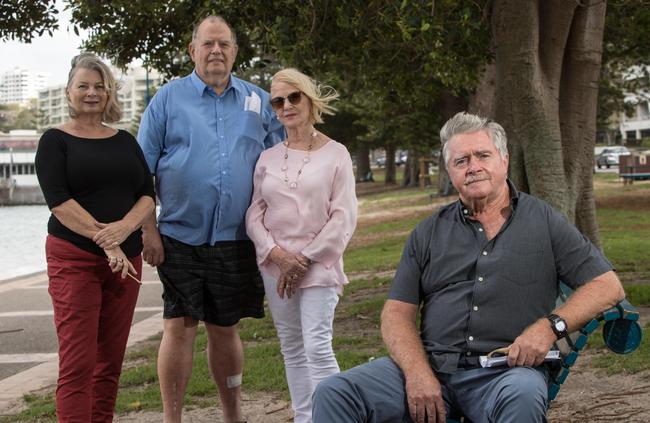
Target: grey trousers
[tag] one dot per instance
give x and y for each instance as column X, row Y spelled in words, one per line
column 374, row 393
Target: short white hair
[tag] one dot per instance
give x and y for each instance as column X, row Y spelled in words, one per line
column 463, row 123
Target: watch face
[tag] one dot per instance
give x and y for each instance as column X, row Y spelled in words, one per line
column 560, row 326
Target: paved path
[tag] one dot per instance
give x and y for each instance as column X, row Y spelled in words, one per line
column 28, row 344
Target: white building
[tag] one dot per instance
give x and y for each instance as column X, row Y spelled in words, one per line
column 53, row 106
column 21, row 85
column 637, row 126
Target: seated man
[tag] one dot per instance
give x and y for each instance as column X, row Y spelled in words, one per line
column 485, row 272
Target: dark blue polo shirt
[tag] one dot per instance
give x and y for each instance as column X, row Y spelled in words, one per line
column 478, row 294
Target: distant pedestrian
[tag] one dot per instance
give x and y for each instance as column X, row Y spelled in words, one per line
column 302, row 217
column 201, row 136
column 97, row 185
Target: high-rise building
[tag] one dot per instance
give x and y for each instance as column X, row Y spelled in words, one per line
column 21, row 85
column 53, row 106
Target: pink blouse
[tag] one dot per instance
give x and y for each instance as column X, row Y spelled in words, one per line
column 316, row 218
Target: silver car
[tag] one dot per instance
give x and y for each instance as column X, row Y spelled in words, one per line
column 609, row 156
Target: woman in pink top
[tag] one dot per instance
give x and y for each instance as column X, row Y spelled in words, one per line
column 301, row 218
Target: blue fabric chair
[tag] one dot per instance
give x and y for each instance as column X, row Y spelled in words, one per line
column 622, row 334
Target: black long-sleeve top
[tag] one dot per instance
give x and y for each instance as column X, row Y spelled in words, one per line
column 106, row 176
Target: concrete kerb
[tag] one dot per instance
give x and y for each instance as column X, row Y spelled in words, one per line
column 13, row 388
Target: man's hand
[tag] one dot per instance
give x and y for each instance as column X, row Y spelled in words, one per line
column 110, row 235
column 424, row 397
column 530, row 348
column 153, row 252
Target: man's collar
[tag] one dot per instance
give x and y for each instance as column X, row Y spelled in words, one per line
column 466, row 212
column 201, row 86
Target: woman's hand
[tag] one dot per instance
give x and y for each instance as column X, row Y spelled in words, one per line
column 118, row 262
column 288, row 284
column 112, row 234
column 288, row 263
column 293, row 268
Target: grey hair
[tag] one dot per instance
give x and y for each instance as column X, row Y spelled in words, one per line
column 464, row 122
column 213, row 18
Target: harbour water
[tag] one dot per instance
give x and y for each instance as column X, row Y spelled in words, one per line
column 22, row 240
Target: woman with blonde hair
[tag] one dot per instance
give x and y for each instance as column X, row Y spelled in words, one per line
column 301, row 218
column 98, row 187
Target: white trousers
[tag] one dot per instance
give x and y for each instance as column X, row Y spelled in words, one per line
column 304, row 325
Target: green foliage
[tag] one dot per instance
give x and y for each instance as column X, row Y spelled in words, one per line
column 625, row 49
column 386, row 59
column 15, row 116
column 22, row 20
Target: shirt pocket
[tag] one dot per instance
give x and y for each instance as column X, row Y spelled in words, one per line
column 524, row 263
column 253, row 128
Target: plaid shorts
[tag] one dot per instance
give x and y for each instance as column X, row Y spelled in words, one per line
column 217, row 284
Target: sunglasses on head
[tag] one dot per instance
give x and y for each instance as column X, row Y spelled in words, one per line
column 278, row 102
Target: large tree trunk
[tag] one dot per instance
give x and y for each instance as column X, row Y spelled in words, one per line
column 389, row 166
column 578, row 109
column 547, row 64
column 363, row 162
column 411, row 171
column 450, row 104
column 481, row 101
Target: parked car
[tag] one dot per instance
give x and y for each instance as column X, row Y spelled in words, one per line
column 609, row 156
column 400, row 158
column 381, row 161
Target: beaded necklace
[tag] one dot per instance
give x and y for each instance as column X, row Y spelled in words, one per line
column 285, row 167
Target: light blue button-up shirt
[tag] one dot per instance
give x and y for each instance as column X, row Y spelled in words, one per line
column 202, row 149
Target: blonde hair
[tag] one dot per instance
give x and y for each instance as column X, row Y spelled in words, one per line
column 112, row 111
column 319, row 94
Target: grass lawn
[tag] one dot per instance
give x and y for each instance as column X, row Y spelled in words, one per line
column 386, row 219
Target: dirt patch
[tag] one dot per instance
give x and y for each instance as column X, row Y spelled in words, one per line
column 634, row 200
column 257, row 408
column 591, row 396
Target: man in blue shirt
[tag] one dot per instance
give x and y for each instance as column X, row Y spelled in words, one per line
column 201, row 136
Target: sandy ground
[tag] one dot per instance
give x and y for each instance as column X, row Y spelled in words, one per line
column 263, row 408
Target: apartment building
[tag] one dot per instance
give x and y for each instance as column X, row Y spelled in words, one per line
column 20, row 85
column 637, row 126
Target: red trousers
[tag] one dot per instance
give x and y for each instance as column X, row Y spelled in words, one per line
column 93, row 310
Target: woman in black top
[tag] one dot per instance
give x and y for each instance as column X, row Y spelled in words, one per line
column 97, row 184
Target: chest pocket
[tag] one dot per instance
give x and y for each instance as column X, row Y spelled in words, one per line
column 524, row 262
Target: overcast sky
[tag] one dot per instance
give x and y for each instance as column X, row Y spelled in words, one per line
column 51, row 54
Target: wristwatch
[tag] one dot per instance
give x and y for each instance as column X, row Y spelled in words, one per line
column 558, row 325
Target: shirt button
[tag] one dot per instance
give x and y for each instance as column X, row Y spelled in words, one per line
column 480, row 278
column 485, row 253
column 220, row 136
column 475, row 308
column 480, row 229
column 471, row 338
column 223, row 154
column 223, row 172
column 465, row 211
column 468, row 353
